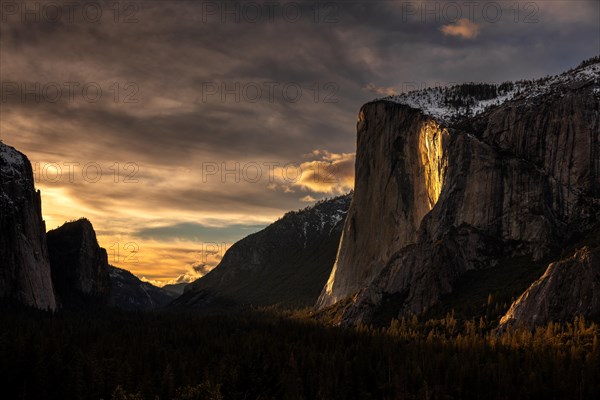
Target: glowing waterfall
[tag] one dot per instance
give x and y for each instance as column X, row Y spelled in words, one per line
column 432, row 159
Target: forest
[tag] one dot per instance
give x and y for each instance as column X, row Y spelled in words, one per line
column 265, row 354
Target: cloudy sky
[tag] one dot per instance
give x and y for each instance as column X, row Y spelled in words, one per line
column 179, row 127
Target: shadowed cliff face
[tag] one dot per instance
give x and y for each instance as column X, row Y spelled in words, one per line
column 80, row 269
column 520, row 179
column 285, row 264
column 24, row 267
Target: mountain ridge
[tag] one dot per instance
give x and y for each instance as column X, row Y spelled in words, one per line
column 128, row 292
column 284, row 264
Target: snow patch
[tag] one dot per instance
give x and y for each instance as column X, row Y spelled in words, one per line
column 11, row 162
column 12, row 170
column 11, row 156
column 448, row 104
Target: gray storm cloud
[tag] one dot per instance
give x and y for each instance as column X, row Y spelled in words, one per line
column 182, row 88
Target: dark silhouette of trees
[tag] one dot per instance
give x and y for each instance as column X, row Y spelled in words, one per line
column 269, row 355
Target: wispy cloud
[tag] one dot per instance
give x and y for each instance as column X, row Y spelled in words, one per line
column 463, row 28
column 327, row 173
column 383, row 91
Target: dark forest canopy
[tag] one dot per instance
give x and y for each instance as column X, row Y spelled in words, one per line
column 115, row 355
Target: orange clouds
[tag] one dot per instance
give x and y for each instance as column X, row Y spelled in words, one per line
column 162, row 262
column 147, row 230
column 384, row 91
column 329, row 173
column 463, row 28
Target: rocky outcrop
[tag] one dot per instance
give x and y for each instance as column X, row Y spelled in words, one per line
column 569, row 288
column 65, row 268
column 129, row 293
column 285, row 264
column 438, row 196
column 25, row 274
column 80, row 269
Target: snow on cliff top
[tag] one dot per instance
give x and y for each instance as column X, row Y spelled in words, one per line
column 10, row 156
column 12, row 165
column 449, row 103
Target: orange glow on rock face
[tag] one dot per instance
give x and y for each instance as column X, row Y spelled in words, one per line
column 432, row 159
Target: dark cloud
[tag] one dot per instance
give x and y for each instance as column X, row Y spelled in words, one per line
column 354, row 51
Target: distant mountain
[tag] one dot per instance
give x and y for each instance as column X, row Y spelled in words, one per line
column 472, row 180
column 285, row 264
column 80, row 269
column 128, row 292
column 25, row 274
column 176, row 288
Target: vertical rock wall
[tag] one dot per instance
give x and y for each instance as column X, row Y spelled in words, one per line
column 24, row 267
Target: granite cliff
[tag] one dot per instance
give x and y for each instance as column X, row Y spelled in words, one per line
column 25, row 274
column 80, row 269
column 464, row 178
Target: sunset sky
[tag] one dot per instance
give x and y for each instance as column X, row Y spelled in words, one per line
column 179, row 127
